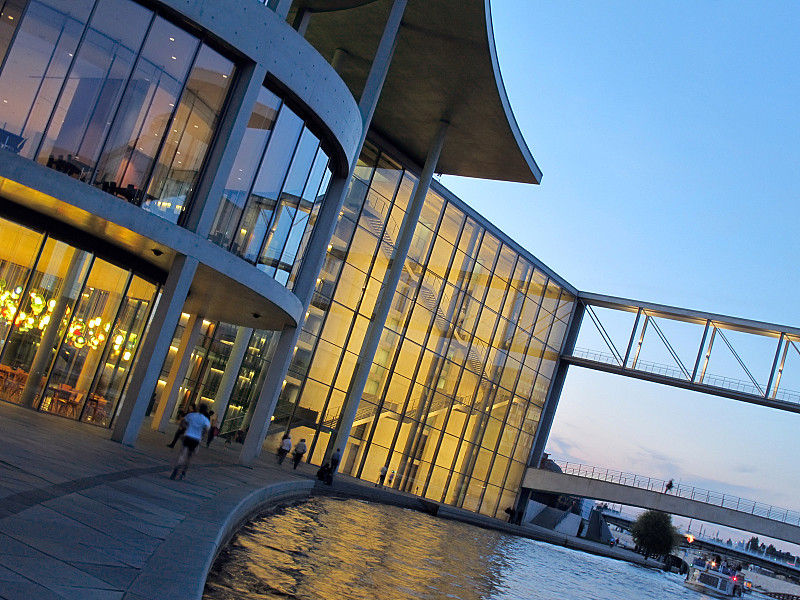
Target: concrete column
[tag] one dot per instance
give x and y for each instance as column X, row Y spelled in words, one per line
column 177, row 373
column 318, row 245
column 232, row 127
column 384, row 303
column 154, row 350
column 302, row 20
column 268, row 397
column 232, row 367
column 380, row 65
column 339, row 58
column 554, row 395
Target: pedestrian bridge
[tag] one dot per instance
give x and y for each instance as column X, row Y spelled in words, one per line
column 645, row 492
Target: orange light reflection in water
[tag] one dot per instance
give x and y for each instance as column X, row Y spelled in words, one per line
column 328, row 548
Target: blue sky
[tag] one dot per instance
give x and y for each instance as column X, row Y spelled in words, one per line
column 668, row 137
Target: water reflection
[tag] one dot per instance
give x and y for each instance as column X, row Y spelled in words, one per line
column 328, row 548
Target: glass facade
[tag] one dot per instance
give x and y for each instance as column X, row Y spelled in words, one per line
column 116, row 94
column 466, row 356
column 209, row 362
column 112, row 93
column 274, row 190
column 70, row 325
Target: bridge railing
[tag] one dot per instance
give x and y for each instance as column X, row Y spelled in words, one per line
column 751, row 507
column 707, row 379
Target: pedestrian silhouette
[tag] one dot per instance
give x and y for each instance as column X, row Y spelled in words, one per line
column 196, row 426
column 299, row 452
column 381, row 476
column 284, row 448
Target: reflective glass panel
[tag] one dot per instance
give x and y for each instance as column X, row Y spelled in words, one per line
column 35, row 69
column 288, row 202
column 305, row 217
column 147, row 108
column 189, row 135
column 248, row 158
column 262, row 201
column 10, row 16
column 41, row 321
column 94, row 87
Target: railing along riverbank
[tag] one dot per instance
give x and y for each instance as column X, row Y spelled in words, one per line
column 652, row 484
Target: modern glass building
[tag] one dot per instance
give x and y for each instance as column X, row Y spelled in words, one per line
column 234, row 203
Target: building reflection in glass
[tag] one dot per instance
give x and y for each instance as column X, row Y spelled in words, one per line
column 274, row 191
column 112, row 94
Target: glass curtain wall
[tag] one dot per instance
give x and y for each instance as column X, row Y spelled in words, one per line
column 110, row 92
column 70, row 325
column 274, row 191
column 207, row 365
column 465, row 361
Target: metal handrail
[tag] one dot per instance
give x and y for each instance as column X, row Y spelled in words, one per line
column 718, row 381
column 759, row 509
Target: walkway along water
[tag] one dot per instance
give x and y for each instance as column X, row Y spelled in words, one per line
column 84, row 517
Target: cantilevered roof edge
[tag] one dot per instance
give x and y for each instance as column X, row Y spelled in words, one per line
column 504, row 101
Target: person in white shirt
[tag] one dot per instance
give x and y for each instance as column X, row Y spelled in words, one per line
column 284, row 448
column 197, row 426
column 299, row 451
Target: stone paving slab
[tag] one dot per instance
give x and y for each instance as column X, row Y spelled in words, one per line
column 83, row 517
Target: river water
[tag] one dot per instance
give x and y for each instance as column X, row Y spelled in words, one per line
column 338, row 549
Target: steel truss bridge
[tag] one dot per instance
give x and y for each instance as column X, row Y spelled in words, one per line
column 713, row 337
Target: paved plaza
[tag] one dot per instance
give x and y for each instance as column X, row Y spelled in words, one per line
column 82, row 517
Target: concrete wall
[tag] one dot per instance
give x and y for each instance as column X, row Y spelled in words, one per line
column 569, row 525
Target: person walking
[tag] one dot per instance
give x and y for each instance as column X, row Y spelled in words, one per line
column 284, row 448
column 335, row 460
column 196, row 426
column 391, row 478
column 299, row 452
column 381, row 476
column 669, row 486
column 181, row 428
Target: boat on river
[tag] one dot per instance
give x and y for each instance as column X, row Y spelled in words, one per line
column 717, row 583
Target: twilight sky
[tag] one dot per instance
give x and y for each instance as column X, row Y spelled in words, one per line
column 668, row 136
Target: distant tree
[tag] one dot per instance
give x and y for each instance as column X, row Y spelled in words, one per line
column 729, row 542
column 655, row 533
column 752, row 544
column 771, row 550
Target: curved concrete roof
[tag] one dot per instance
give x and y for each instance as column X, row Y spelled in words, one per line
column 444, row 67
